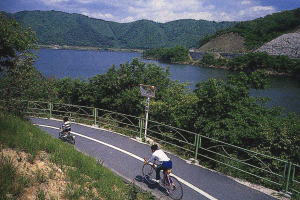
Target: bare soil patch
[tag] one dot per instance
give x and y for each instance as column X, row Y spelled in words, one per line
column 227, row 43
column 46, row 178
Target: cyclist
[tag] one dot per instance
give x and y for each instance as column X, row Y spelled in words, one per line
column 66, row 127
column 159, row 158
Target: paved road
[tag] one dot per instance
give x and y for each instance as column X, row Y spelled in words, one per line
column 124, row 156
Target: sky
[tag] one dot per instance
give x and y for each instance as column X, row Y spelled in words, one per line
column 157, row 10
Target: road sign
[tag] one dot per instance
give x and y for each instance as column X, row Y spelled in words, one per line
column 147, row 90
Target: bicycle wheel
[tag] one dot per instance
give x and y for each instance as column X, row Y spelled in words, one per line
column 174, row 188
column 149, row 173
column 72, row 140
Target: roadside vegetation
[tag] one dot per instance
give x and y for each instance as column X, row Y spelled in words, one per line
column 259, row 31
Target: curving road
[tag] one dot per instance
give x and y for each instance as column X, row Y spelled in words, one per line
column 125, row 156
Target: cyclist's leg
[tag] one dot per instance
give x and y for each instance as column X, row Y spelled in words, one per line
column 158, row 168
column 64, row 134
column 166, row 167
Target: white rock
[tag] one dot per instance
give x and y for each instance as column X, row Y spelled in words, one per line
column 287, row 44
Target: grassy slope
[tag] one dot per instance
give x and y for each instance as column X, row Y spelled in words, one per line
column 18, row 134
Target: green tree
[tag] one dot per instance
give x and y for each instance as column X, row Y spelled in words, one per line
column 18, row 77
column 15, row 42
column 118, row 89
column 227, row 112
column 176, row 106
column 73, row 91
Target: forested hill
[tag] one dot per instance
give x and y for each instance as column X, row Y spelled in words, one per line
column 256, row 32
column 55, row 27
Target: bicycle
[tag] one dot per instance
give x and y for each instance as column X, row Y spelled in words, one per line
column 66, row 137
column 168, row 182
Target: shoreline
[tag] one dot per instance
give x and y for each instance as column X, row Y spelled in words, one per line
column 197, row 64
column 86, row 48
column 191, row 62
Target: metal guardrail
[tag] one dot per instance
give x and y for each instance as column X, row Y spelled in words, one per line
column 271, row 171
column 295, row 180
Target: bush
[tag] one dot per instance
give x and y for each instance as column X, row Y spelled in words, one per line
column 261, row 61
column 171, row 55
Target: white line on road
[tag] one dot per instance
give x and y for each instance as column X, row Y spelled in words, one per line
column 138, row 158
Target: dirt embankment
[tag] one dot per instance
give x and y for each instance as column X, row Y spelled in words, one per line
column 227, row 43
column 46, row 180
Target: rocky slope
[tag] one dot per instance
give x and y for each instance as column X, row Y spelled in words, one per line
column 287, row 44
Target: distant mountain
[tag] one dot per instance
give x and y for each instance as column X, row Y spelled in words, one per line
column 252, row 34
column 54, row 27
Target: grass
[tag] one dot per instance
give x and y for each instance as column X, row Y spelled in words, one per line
column 40, row 177
column 41, row 195
column 82, row 170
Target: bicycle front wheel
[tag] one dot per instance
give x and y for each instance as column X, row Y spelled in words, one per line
column 174, row 188
column 149, row 173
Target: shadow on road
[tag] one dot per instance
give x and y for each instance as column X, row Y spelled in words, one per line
column 155, row 186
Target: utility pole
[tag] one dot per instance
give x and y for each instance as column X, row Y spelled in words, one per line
column 147, row 113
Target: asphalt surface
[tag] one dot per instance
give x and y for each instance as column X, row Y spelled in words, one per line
column 106, row 146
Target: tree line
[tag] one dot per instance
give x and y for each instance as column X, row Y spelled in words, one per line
column 59, row 28
column 254, row 61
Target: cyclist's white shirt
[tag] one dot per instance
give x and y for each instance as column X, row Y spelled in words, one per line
column 66, row 126
column 158, row 157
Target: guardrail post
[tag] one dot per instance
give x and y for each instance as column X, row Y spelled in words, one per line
column 293, row 175
column 50, row 109
column 287, row 180
column 141, row 125
column 95, row 113
column 198, row 144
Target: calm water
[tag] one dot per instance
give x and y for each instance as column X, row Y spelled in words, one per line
column 284, row 92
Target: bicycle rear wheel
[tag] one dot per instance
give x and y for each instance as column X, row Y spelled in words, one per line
column 149, row 173
column 174, row 188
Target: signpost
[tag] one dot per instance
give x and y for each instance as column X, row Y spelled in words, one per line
column 149, row 92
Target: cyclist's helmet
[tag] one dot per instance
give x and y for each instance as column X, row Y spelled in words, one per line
column 66, row 119
column 154, row 147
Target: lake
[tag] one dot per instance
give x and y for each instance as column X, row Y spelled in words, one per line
column 84, row 64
